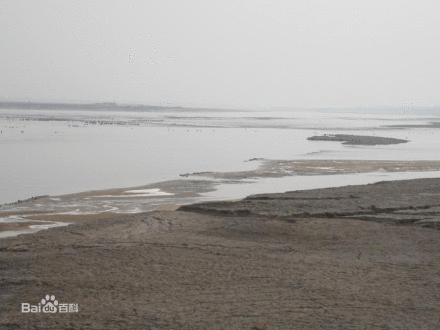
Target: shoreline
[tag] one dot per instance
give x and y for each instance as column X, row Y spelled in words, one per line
column 268, row 168
column 169, row 195
column 354, row 256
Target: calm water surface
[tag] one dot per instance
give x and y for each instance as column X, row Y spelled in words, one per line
column 49, row 152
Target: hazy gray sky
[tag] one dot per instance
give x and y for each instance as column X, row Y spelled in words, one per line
column 222, row 53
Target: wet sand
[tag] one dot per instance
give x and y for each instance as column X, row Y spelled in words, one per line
column 356, row 257
column 281, row 168
column 99, row 204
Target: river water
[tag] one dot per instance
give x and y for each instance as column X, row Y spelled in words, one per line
column 57, row 152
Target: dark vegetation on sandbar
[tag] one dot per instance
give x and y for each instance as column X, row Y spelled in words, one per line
column 357, row 139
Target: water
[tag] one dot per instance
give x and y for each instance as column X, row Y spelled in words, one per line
column 56, row 152
column 31, row 229
column 306, row 182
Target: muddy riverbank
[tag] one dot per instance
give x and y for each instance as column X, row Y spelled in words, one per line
column 340, row 258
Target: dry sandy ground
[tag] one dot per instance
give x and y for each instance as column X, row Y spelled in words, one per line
column 358, row 257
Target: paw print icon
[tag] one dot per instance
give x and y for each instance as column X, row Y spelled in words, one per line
column 49, row 304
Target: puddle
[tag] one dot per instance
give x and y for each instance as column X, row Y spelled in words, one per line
column 30, row 229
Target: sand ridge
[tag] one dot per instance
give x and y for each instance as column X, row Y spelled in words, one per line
column 281, row 168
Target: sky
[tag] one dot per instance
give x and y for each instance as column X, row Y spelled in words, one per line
column 230, row 53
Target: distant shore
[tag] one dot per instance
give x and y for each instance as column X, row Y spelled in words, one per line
column 99, row 106
column 115, row 105
column 78, row 106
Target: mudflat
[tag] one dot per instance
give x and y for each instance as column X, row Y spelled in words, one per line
column 355, row 257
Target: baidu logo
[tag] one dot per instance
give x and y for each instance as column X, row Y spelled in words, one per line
column 49, row 305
